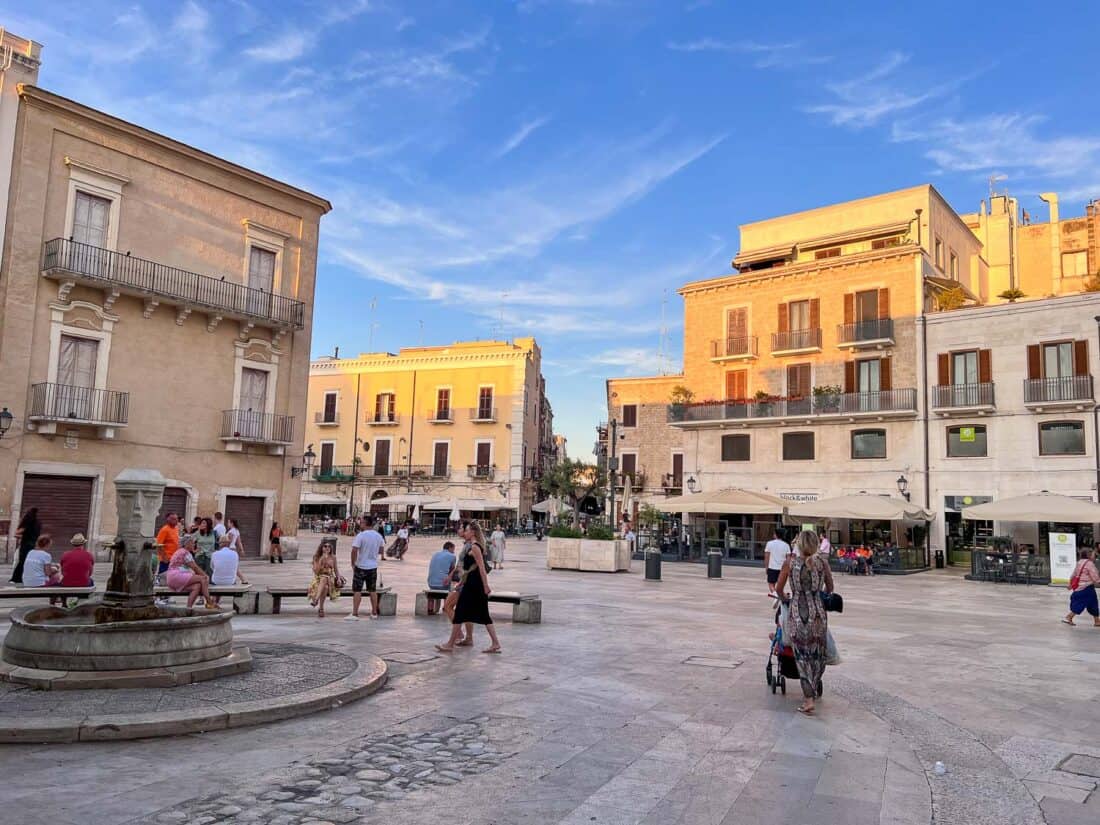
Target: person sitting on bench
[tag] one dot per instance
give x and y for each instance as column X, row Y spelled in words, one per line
column 39, row 569
column 440, row 569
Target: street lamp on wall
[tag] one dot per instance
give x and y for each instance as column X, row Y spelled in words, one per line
column 692, row 484
column 308, row 457
column 903, row 486
column 5, row 421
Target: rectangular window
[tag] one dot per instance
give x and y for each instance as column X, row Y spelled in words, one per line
column 329, row 413
column 869, row 444
column 443, row 405
column 441, row 459
column 798, row 381
column 831, row 252
column 966, row 442
column 327, row 450
column 90, row 219
column 385, row 407
column 630, row 415
column 628, row 465
column 737, row 385
column 1075, row 264
column 964, row 368
column 939, row 254
column 869, row 375
column 677, row 469
column 886, row 243
column 798, row 446
column 798, row 316
column 1058, row 360
column 484, row 453
column 1062, row 438
column 954, row 266
column 485, row 403
column 261, row 269
column 735, row 448
column 382, row 457
column 867, row 305
column 76, row 370
column 253, row 390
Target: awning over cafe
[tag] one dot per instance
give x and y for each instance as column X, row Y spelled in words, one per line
column 861, row 506
column 731, row 501
column 1036, row 507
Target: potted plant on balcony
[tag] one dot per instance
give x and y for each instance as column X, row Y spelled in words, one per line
column 765, row 403
column 679, row 399
column 827, row 398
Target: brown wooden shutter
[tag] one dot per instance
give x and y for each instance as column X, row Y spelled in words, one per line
column 884, row 376
column 849, row 308
column 1080, row 357
column 815, row 313
column 737, row 323
column 943, row 369
column 884, row 303
column 736, row 385
column 1034, row 361
column 850, row 376
column 784, row 318
column 985, row 366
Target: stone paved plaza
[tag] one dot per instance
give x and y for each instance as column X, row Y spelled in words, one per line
column 633, row 702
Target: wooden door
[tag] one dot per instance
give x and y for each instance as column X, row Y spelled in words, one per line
column 249, row 513
column 327, row 451
column 677, row 469
column 382, row 457
column 441, row 459
column 484, row 457
column 64, row 506
column 174, row 501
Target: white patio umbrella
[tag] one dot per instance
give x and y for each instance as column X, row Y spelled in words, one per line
column 552, row 505
column 1036, row 507
column 733, row 500
column 416, row 513
column 628, row 496
column 861, row 506
column 455, row 514
column 407, row 499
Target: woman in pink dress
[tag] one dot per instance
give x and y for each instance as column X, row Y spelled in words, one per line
column 185, row 575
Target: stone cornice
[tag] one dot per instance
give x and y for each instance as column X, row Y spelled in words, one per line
column 399, row 363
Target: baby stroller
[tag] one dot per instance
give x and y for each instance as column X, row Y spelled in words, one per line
column 783, row 655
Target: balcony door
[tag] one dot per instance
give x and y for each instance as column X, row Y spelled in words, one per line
column 485, row 403
column 382, row 457
column 329, row 414
column 253, row 405
column 76, row 370
column 261, row 280
column 441, row 459
column 964, row 378
column 91, row 219
column 385, row 407
column 484, row 455
column 442, row 405
column 737, row 331
column 327, row 450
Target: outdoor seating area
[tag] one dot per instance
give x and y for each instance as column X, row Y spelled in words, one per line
column 1009, row 567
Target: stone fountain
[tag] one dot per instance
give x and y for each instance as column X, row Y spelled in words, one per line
column 125, row 639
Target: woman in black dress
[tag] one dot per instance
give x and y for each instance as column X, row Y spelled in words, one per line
column 30, row 528
column 473, row 594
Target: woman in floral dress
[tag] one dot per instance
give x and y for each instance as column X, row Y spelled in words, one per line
column 327, row 580
column 806, row 627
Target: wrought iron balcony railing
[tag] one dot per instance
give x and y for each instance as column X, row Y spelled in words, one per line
column 734, row 347
column 85, row 405
column 257, row 427
column 484, row 415
column 442, row 416
column 877, row 329
column 948, row 396
column 103, row 268
column 383, row 420
column 796, row 339
column 482, row 472
column 849, row 403
column 323, row 418
column 1065, row 388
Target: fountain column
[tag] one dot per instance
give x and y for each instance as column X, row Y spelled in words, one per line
column 129, row 594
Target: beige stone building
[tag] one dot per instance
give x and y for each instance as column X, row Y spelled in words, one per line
column 465, row 421
column 156, row 312
column 649, row 451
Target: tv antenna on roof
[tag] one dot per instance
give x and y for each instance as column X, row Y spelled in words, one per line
column 371, row 327
column 993, row 179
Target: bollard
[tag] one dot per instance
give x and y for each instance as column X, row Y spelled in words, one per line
column 653, row 565
column 714, row 565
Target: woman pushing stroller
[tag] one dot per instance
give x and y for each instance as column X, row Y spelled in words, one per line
column 805, row 627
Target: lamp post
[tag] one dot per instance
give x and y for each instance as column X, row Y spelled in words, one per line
column 612, row 467
column 903, row 486
column 5, row 421
column 308, row 457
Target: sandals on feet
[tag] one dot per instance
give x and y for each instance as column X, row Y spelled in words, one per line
column 443, row 649
column 805, row 710
column 1067, row 621
column 491, row 650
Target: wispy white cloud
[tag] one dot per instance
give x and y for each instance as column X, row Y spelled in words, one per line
column 521, row 134
column 404, row 23
column 786, row 55
column 1012, row 143
column 415, row 68
column 282, row 48
column 867, row 99
column 632, row 360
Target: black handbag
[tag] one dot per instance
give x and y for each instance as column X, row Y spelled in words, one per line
column 832, row 602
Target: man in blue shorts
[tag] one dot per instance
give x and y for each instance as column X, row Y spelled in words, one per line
column 366, row 552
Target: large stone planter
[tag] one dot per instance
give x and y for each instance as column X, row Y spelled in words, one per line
column 588, row 554
column 563, row 554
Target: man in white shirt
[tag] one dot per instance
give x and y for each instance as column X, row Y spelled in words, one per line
column 825, row 547
column 225, row 565
column 401, row 546
column 775, row 553
column 219, row 527
column 366, row 552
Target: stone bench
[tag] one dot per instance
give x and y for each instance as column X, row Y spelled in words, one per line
column 271, row 600
column 526, row 608
column 244, row 598
column 46, row 592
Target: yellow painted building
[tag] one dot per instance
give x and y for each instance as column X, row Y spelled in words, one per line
column 465, row 421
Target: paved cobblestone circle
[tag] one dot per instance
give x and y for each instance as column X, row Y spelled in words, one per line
column 374, row 771
column 277, row 670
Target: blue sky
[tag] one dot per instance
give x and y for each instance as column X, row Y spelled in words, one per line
column 559, row 167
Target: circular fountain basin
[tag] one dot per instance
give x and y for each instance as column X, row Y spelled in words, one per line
column 56, row 638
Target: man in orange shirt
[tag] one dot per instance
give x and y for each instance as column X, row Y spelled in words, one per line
column 168, row 537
